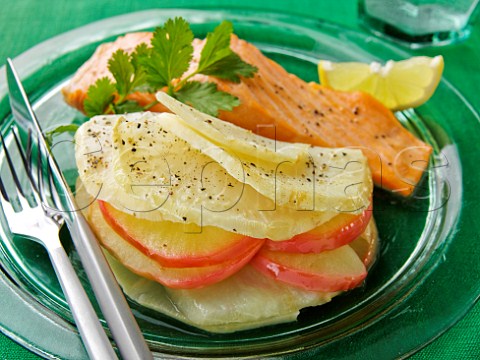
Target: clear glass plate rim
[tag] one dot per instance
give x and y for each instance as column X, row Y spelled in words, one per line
column 24, row 63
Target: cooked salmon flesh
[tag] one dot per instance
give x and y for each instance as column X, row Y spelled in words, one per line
column 280, row 105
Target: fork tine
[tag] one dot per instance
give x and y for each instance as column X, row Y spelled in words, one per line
column 3, row 191
column 28, row 151
column 54, row 193
column 41, row 174
column 24, row 156
column 11, row 166
column 37, row 184
column 51, row 184
column 46, row 181
column 25, row 162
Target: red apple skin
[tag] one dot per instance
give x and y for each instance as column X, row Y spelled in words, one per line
column 307, row 278
column 183, row 278
column 236, row 247
column 139, row 263
column 196, row 277
column 337, row 232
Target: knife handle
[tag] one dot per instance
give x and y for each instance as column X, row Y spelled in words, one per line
column 117, row 313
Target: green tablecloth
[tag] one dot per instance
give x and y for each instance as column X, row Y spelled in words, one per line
column 25, row 23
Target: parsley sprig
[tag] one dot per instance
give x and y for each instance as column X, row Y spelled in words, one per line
column 163, row 65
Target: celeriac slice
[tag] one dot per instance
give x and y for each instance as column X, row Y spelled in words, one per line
column 171, row 180
column 229, row 136
column 246, row 300
column 320, row 179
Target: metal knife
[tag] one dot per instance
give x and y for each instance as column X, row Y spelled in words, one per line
column 120, row 320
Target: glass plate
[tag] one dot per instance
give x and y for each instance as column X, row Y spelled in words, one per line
column 425, row 279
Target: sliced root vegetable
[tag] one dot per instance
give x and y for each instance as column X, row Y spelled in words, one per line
column 334, row 270
column 173, row 245
column 162, row 177
column 366, row 245
column 229, row 136
column 339, row 231
column 316, row 179
column 141, row 264
column 246, row 300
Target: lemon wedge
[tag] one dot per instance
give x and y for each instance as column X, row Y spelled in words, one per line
column 397, row 84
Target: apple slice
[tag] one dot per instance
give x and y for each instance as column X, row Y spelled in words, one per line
column 366, row 245
column 139, row 263
column 170, row 245
column 339, row 231
column 333, row 270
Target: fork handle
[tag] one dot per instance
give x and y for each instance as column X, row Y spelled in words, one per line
column 122, row 324
column 94, row 338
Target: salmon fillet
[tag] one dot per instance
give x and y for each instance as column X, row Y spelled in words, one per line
column 280, row 105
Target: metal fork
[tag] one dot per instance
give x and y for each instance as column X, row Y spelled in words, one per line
column 42, row 223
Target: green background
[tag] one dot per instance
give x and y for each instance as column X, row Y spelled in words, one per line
column 25, row 23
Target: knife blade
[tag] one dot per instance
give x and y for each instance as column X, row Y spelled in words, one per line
column 112, row 302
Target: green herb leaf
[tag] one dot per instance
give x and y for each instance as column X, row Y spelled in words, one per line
column 122, row 70
column 171, row 53
column 148, row 69
column 230, row 68
column 60, row 130
column 217, row 45
column 140, row 83
column 99, row 97
column 206, row 97
column 217, row 59
column 128, row 106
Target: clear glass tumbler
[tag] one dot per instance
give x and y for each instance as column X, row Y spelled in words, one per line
column 419, row 23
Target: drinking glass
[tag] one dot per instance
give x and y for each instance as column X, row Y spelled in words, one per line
column 419, row 23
